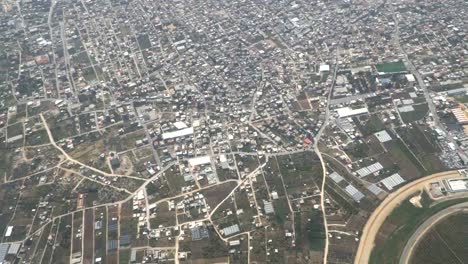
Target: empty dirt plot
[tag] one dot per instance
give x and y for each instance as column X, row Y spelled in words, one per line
column 164, row 217
column 214, row 195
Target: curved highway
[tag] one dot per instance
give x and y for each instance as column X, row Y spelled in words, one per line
column 379, row 215
column 426, row 226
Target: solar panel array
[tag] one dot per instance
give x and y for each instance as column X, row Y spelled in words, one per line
column 113, row 226
column 375, row 189
column 383, row 136
column 363, row 172
column 125, row 240
column 268, row 207
column 112, row 245
column 392, row 181
column 354, row 193
column 231, row 230
column 336, row 177
column 3, row 251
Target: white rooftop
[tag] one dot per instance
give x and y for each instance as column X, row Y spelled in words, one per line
column 383, row 136
column 178, row 133
column 324, row 68
column 199, row 160
column 458, row 185
column 180, row 125
column 348, row 111
column 392, row 181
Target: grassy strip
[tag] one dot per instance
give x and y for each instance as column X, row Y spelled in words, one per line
column 408, row 218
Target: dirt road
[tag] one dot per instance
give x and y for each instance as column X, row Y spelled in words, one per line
column 378, row 217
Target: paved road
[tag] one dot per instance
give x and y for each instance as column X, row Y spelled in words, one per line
column 422, row 230
column 319, row 154
column 379, row 215
column 420, row 80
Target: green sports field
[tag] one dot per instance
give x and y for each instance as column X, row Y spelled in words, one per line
column 391, row 67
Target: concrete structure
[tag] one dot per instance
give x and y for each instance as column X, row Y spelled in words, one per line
column 348, row 111
column 199, row 161
column 178, row 133
column 9, row 231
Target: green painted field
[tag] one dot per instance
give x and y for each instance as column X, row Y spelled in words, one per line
column 391, row 67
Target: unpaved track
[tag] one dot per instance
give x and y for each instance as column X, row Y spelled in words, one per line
column 378, row 217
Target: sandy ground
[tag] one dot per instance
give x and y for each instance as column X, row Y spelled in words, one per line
column 416, row 201
column 378, row 217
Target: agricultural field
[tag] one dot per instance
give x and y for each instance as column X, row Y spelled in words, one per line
column 400, row 225
column 446, row 242
column 420, row 112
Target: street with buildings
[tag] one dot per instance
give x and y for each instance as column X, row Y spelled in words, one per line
column 214, row 131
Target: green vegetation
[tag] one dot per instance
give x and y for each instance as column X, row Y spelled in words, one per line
column 63, row 240
column 124, row 256
column 89, row 74
column 37, row 137
column 371, row 125
column 391, row 67
column 15, row 129
column 144, row 41
column 444, row 243
column 341, row 198
column 462, row 99
column 406, row 218
column 309, row 230
column 420, row 111
column 423, row 147
column 42, row 243
column 407, row 162
column 359, row 150
column 281, row 210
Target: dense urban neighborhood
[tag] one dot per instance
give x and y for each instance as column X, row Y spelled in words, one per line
column 240, row 131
